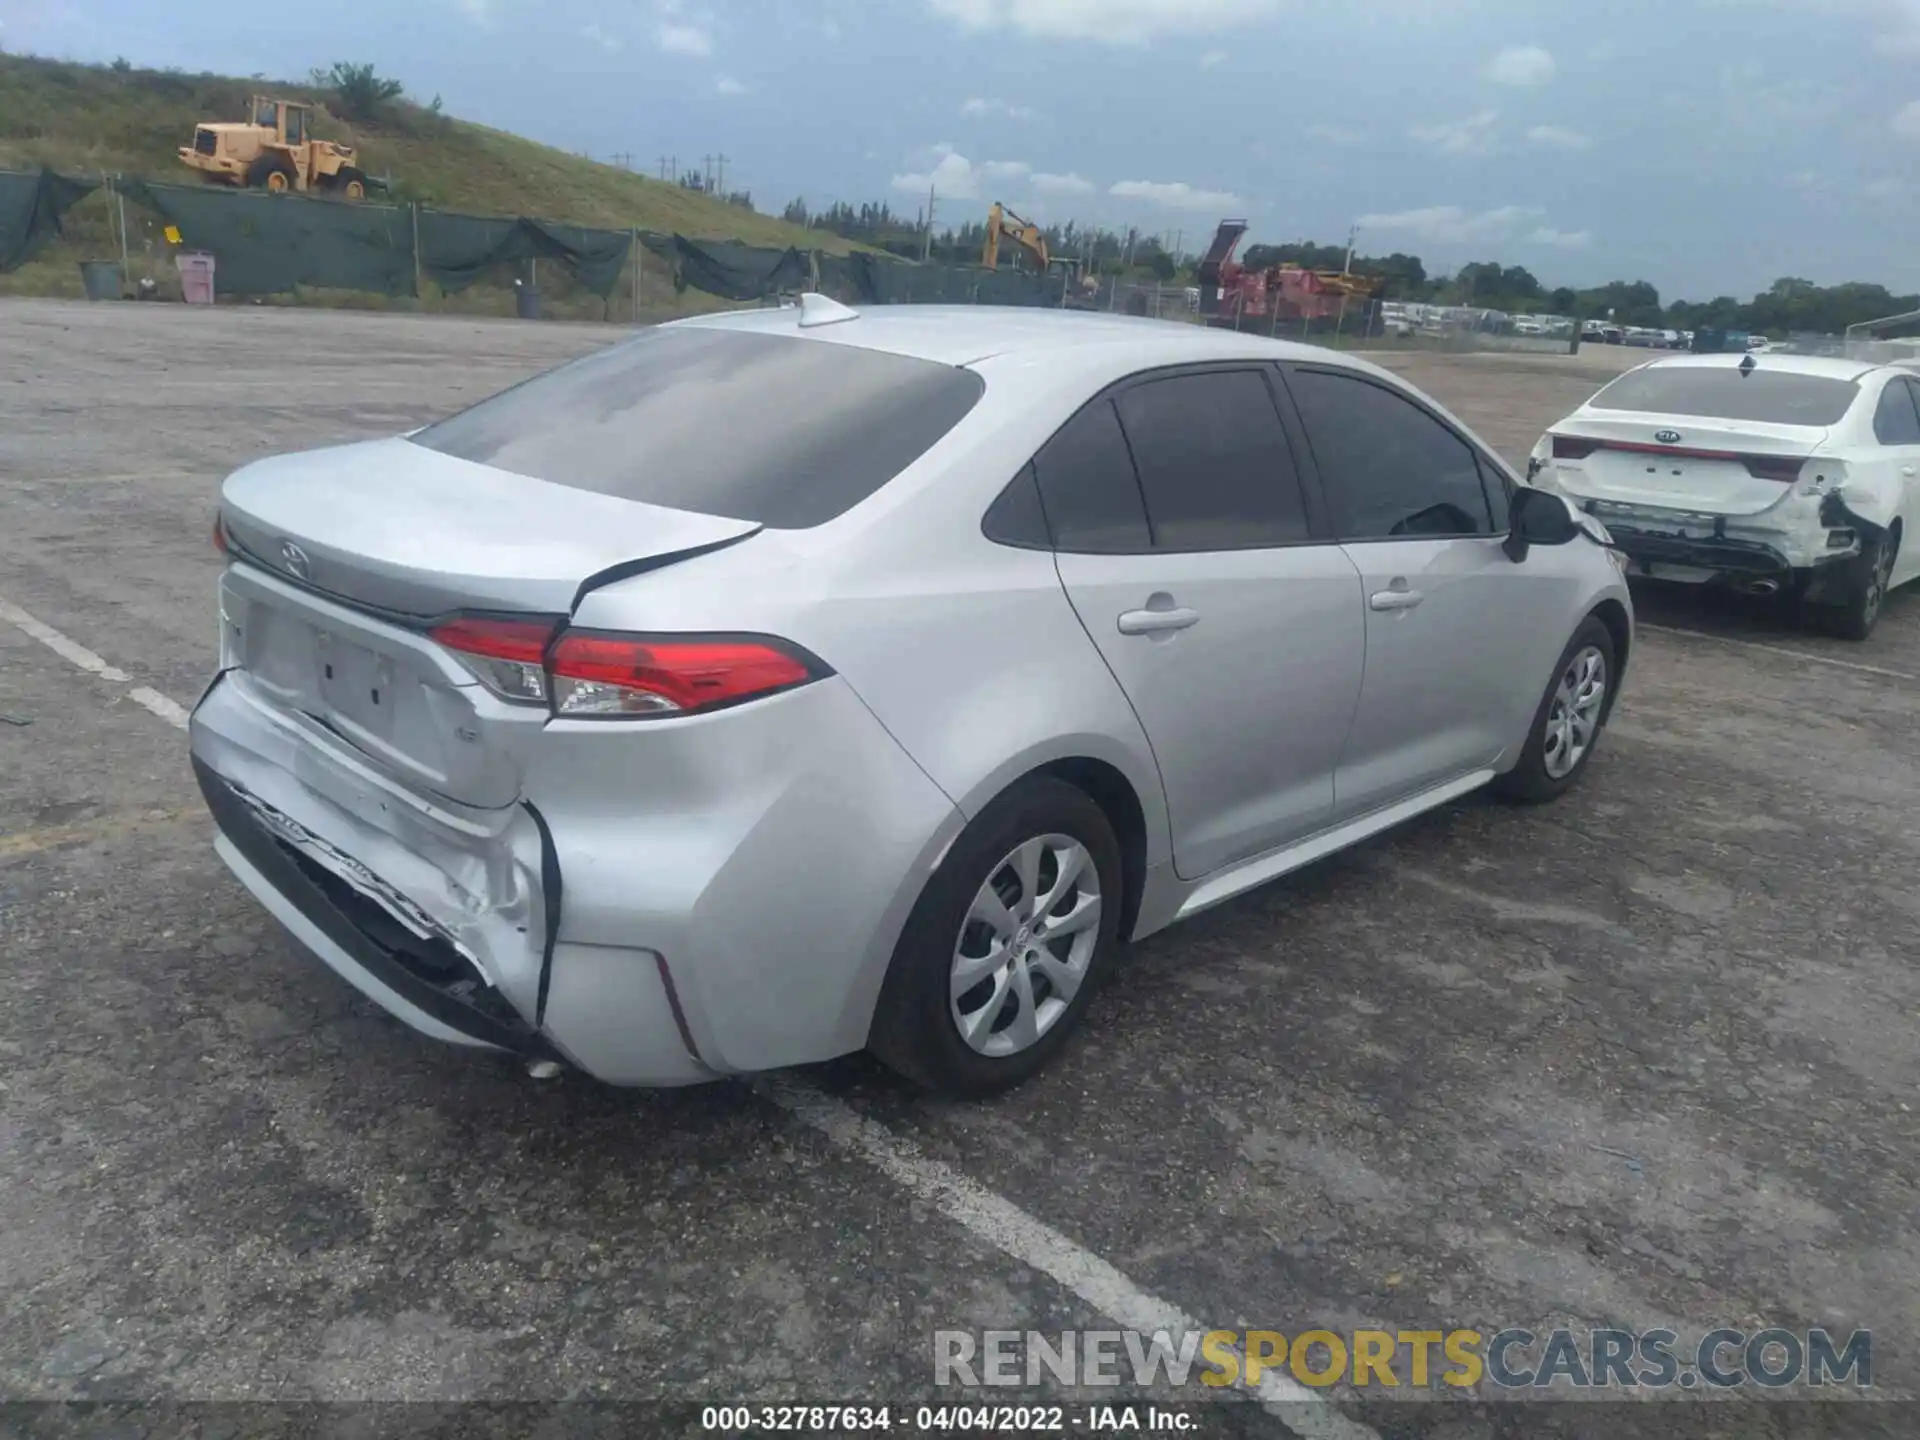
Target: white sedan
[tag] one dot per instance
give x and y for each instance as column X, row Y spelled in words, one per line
column 1772, row 473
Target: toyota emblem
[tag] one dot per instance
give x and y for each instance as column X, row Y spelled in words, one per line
column 295, row 559
column 1667, row 437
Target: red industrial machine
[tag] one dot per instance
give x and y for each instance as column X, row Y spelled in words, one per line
column 1234, row 297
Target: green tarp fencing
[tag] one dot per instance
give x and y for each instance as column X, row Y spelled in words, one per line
column 457, row 250
column 878, row 280
column 729, row 269
column 271, row 244
column 31, row 205
column 268, row 244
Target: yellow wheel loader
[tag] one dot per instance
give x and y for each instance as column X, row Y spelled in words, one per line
column 274, row 149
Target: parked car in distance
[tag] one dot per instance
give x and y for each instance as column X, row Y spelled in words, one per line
column 775, row 684
column 1769, row 472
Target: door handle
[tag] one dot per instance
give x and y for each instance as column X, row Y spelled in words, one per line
column 1154, row 622
column 1394, row 599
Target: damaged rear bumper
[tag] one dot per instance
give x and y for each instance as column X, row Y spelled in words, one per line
column 449, row 921
column 1816, row 559
column 423, row 980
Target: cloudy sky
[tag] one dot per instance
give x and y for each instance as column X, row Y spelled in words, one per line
column 1706, row 145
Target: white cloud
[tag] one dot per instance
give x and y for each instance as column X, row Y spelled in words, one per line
column 1176, row 195
column 1521, row 65
column 1896, row 23
column 1563, row 239
column 1067, row 184
column 1885, row 188
column 1112, row 22
column 1471, row 136
column 1557, row 137
column 679, row 38
column 594, row 35
column 1907, row 121
column 978, row 106
column 727, row 85
column 1450, row 222
column 480, row 12
column 1213, row 59
column 953, row 176
column 1334, row 135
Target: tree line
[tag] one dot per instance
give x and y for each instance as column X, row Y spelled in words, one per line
column 1790, row 305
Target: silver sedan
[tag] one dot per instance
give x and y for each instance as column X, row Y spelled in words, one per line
column 774, row 685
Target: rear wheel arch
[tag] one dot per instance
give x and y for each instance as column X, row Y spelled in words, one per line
column 1108, row 788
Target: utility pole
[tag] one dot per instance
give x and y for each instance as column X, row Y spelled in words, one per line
column 663, row 167
column 1352, row 232
column 720, row 175
column 624, row 160
column 926, row 241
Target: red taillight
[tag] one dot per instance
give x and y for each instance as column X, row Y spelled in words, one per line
column 508, row 656
column 219, row 534
column 523, row 640
column 602, row 675
column 1571, row 447
column 595, row 674
column 1784, row 468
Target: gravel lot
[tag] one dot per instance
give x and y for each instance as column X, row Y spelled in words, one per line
column 1645, row 1057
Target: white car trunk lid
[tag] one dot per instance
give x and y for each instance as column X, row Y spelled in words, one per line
column 1683, row 463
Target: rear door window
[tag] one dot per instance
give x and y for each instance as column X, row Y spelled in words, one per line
column 1895, row 421
column 1724, row 392
column 785, row 431
column 1214, row 466
column 1088, row 487
column 1390, row 470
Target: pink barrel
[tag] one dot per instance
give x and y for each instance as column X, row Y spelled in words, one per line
column 196, row 278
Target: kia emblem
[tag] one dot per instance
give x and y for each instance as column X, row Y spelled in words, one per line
column 1667, row 437
column 295, row 559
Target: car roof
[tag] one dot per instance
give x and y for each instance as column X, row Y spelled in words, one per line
column 1831, row 366
column 966, row 335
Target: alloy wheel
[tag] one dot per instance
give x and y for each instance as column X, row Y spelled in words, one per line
column 1025, row 945
column 1573, row 719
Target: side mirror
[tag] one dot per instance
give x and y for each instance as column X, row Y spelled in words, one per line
column 1538, row 517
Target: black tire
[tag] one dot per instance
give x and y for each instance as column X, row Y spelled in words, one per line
column 1530, row 781
column 1854, row 618
column 261, row 172
column 915, row 1031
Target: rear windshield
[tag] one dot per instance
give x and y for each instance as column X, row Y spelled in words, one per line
column 1721, row 392
column 784, row 431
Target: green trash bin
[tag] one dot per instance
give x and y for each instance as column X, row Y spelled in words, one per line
column 101, row 279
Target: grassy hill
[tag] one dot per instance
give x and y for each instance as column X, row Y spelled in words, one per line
column 90, row 119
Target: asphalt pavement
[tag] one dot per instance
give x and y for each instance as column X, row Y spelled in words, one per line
column 1642, row 1058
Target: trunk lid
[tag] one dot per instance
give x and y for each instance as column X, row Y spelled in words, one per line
column 343, row 556
column 395, row 527
column 1714, row 466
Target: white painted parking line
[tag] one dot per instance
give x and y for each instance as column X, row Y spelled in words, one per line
column 1009, row 1229
column 989, row 1217
column 1785, row 650
column 168, row 710
column 60, row 645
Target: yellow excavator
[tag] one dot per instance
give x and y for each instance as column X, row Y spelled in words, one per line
column 1003, row 224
